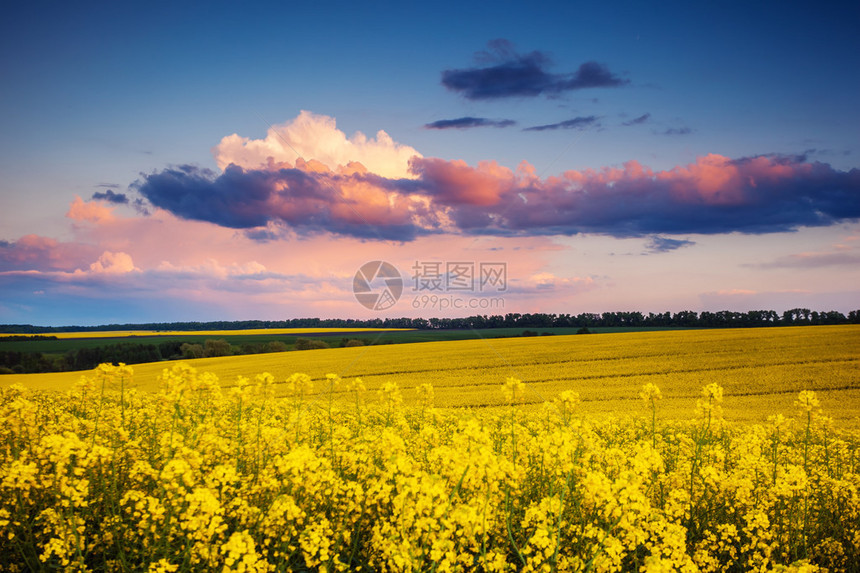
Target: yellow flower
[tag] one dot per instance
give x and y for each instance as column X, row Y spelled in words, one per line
column 708, row 405
column 425, row 395
column 650, row 392
column 299, row 385
column 513, row 390
column 807, row 401
column 162, row 566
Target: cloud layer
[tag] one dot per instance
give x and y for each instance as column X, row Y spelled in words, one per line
column 36, row 252
column 468, row 122
column 509, row 74
column 715, row 194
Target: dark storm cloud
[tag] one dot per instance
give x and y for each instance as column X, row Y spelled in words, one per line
column 509, row 74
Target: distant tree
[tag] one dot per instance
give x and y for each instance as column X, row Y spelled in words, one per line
column 191, row 350
column 832, row 317
column 170, row 349
column 275, row 346
column 310, row 344
column 685, row 318
column 220, row 347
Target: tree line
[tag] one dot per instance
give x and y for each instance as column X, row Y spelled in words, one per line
column 14, row 362
column 685, row 318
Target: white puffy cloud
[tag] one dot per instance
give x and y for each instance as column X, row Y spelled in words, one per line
column 316, row 137
column 113, row 263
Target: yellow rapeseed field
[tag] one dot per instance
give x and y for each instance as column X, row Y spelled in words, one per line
column 330, row 473
column 761, row 369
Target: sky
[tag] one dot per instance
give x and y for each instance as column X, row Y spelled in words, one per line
column 169, row 161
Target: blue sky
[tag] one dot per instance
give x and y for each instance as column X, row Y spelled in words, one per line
column 107, row 96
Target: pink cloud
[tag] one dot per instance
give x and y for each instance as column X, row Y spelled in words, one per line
column 456, row 183
column 34, row 252
column 713, row 195
column 113, row 263
column 90, row 211
column 161, row 257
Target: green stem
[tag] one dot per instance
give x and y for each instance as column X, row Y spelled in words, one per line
column 653, row 424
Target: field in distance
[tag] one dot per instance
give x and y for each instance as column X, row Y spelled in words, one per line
column 66, row 341
column 761, row 369
column 247, row 332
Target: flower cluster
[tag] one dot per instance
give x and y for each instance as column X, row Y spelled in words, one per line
column 206, row 476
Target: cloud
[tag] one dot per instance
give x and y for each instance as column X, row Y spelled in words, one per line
column 457, row 184
column 677, row 131
column 108, row 265
column 715, row 194
column 546, row 281
column 468, row 122
column 307, row 198
column 813, row 261
column 509, row 74
column 89, row 211
column 111, row 197
column 113, row 263
column 36, row 253
column 638, row 120
column 303, row 197
column 657, row 244
column 212, row 269
column 575, row 123
column 315, row 137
